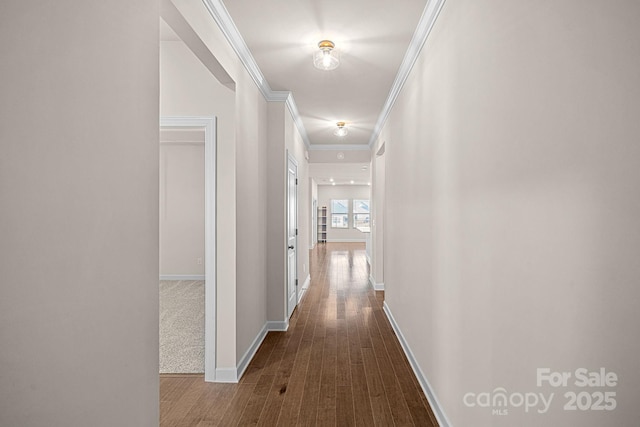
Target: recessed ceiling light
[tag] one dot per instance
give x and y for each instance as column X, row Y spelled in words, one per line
column 352, row 181
column 330, row 179
column 326, row 57
column 340, row 155
column 368, row 183
column 333, row 183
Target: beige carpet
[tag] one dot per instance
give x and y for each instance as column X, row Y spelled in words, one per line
column 181, row 326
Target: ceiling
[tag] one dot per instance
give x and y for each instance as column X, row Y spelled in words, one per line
column 372, row 37
column 340, row 173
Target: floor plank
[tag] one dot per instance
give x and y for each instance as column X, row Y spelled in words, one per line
column 339, row 364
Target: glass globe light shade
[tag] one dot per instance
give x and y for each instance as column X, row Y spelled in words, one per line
column 342, row 130
column 326, row 57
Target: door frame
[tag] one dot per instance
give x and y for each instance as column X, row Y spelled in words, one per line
column 209, row 124
column 314, row 224
column 289, row 311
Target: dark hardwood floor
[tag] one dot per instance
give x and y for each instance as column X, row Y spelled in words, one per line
column 339, row 364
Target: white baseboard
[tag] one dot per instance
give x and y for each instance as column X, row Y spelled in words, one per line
column 226, row 375
column 182, row 277
column 251, row 351
column 304, row 288
column 278, row 326
column 346, row 240
column 376, row 286
column 301, row 294
column 233, row 375
column 422, row 379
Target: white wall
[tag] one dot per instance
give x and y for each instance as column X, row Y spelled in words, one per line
column 350, row 192
column 377, row 217
column 250, row 199
column 241, row 201
column 276, row 215
column 284, row 138
column 251, row 257
column 187, row 88
column 79, row 216
column 181, row 203
column 512, row 227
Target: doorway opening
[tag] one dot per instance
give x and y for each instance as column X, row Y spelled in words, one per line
column 196, row 92
column 187, row 245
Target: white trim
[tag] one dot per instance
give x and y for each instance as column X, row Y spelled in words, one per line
column 422, row 379
column 426, row 23
column 376, row 286
column 304, row 288
column 182, row 277
column 221, row 16
column 233, row 375
column 292, row 165
column 346, row 241
column 293, row 108
column 226, row 375
column 251, row 351
column 209, row 124
column 301, row 294
column 278, row 326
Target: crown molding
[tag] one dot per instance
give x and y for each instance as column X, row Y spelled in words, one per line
column 293, row 108
column 278, row 96
column 221, row 16
column 426, row 23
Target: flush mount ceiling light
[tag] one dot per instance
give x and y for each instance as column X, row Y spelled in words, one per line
column 326, row 58
column 342, row 130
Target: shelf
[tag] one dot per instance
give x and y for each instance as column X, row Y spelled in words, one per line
column 322, row 224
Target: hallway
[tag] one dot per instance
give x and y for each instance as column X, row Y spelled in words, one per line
column 339, row 364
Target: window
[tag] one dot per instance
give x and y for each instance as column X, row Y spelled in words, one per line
column 339, row 213
column 360, row 213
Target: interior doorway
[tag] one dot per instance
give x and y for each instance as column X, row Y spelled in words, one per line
column 194, row 254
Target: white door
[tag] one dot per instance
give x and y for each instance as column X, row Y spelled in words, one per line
column 292, row 233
